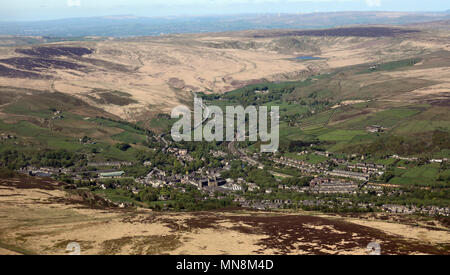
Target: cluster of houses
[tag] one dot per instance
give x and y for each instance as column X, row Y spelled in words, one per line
column 282, row 204
column 348, row 174
column 209, row 180
column 263, row 204
column 110, row 164
column 233, row 185
column 252, row 160
column 86, row 140
column 218, row 153
column 180, row 154
column 411, row 209
column 367, row 169
column 303, row 166
column 201, row 178
column 7, row 137
column 206, row 179
column 416, row 159
column 57, row 115
column 43, row 172
column 404, row 158
column 263, row 92
column 342, row 203
column 375, row 129
column 157, row 178
column 332, row 186
column 319, row 153
column 438, row 160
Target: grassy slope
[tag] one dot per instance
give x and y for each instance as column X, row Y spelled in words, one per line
column 30, row 119
column 29, row 114
column 344, row 128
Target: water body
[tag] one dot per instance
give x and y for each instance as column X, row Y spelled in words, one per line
column 308, row 58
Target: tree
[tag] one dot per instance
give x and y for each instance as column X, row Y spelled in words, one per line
column 123, row 146
column 85, row 139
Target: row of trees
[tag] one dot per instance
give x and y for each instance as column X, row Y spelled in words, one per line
column 14, row 159
column 405, row 146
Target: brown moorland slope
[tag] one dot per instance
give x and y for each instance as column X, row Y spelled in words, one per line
column 159, row 73
column 54, row 218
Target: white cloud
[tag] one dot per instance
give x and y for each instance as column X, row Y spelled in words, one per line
column 73, row 3
column 373, row 3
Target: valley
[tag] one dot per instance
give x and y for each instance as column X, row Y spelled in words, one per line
column 85, row 143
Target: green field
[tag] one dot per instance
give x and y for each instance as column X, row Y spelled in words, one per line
column 32, row 121
column 387, row 118
column 115, row 195
column 311, row 158
column 425, row 175
column 341, row 135
column 392, row 66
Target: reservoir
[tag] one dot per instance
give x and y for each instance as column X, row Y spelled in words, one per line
column 308, row 58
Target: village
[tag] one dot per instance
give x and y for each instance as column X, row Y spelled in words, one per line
column 328, row 179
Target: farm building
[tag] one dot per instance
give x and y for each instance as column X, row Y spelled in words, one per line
column 112, row 175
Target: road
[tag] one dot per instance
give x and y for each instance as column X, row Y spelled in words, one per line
column 235, row 151
column 205, row 117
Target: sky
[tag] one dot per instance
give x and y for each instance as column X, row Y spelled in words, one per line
column 32, row 10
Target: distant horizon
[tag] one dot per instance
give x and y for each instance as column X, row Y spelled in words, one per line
column 46, row 10
column 134, row 16
column 126, row 25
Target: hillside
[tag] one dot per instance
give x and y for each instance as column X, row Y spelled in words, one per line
column 136, row 79
column 55, row 218
column 363, row 155
column 153, row 74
